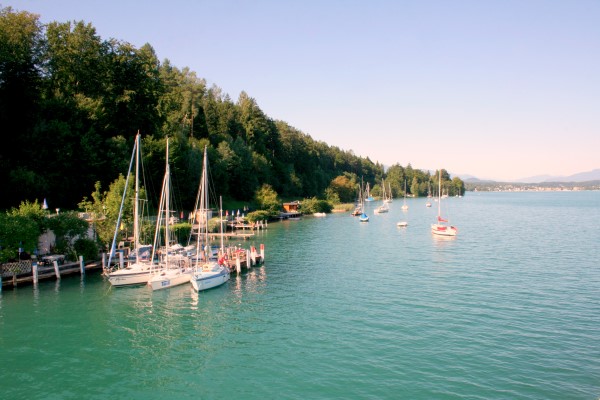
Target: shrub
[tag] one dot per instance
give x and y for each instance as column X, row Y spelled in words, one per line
column 260, row 215
column 87, row 248
column 314, row 205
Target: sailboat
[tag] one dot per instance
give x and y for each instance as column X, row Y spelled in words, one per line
column 404, row 206
column 368, row 196
column 441, row 228
column 137, row 272
column 174, row 268
column 383, row 208
column 358, row 210
column 363, row 217
column 389, row 194
column 428, row 204
column 207, row 273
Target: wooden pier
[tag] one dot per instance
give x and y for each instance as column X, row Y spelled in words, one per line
column 27, row 272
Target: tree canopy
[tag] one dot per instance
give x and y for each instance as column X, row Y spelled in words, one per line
column 72, row 102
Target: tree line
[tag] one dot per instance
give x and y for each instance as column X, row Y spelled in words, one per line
column 71, row 104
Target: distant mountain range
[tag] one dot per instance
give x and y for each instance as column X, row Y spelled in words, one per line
column 593, row 175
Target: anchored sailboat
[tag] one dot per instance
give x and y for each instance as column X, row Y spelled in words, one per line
column 441, row 228
column 207, row 273
column 174, row 268
column 137, row 272
column 404, row 206
column 383, row 208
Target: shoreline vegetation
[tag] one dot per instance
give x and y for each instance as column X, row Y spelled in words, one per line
column 72, row 124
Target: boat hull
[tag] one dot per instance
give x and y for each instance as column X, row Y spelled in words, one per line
column 169, row 278
column 203, row 280
column 133, row 275
column 443, row 230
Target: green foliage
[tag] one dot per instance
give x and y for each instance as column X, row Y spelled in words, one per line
column 74, row 102
column 104, row 207
column 345, row 188
column 87, row 248
column 332, row 196
column 181, row 232
column 414, row 187
column 67, row 227
column 260, row 215
column 17, row 231
column 33, row 211
column 314, row 205
column 266, row 199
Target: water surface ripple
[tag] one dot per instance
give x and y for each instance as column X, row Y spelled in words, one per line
column 509, row 309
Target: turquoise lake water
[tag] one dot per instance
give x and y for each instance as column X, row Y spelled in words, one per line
column 509, row 309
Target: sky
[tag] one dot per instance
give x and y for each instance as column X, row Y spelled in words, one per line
column 494, row 89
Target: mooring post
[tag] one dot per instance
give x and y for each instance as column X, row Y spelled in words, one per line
column 81, row 265
column 121, row 260
column 103, row 261
column 34, row 271
column 56, row 271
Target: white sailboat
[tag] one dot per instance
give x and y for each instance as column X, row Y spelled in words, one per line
column 428, row 204
column 368, row 196
column 358, row 210
column 207, row 273
column 173, row 269
column 363, row 217
column 137, row 272
column 383, row 208
column 389, row 194
column 404, row 206
column 441, row 228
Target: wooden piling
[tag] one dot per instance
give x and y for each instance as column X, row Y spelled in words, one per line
column 81, row 266
column 56, row 270
column 34, row 271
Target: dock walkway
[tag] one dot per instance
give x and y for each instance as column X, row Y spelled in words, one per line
column 27, row 272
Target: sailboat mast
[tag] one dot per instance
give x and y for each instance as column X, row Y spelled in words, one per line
column 440, row 194
column 167, row 205
column 136, row 204
column 205, row 201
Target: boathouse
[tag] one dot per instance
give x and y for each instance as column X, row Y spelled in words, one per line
column 291, row 210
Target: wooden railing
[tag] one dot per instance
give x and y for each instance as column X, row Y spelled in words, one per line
column 15, row 268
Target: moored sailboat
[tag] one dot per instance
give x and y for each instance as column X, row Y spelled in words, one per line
column 173, row 269
column 207, row 272
column 137, row 271
column 383, row 208
column 441, row 228
column 404, row 205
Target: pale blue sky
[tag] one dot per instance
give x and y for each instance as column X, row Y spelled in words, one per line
column 496, row 89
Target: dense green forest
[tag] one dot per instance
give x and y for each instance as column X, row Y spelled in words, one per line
column 71, row 104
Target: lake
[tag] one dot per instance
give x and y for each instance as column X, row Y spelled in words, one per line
column 509, row 309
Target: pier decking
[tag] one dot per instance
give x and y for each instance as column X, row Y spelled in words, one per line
column 29, row 272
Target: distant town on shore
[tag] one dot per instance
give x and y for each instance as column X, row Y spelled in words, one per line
column 492, row 186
